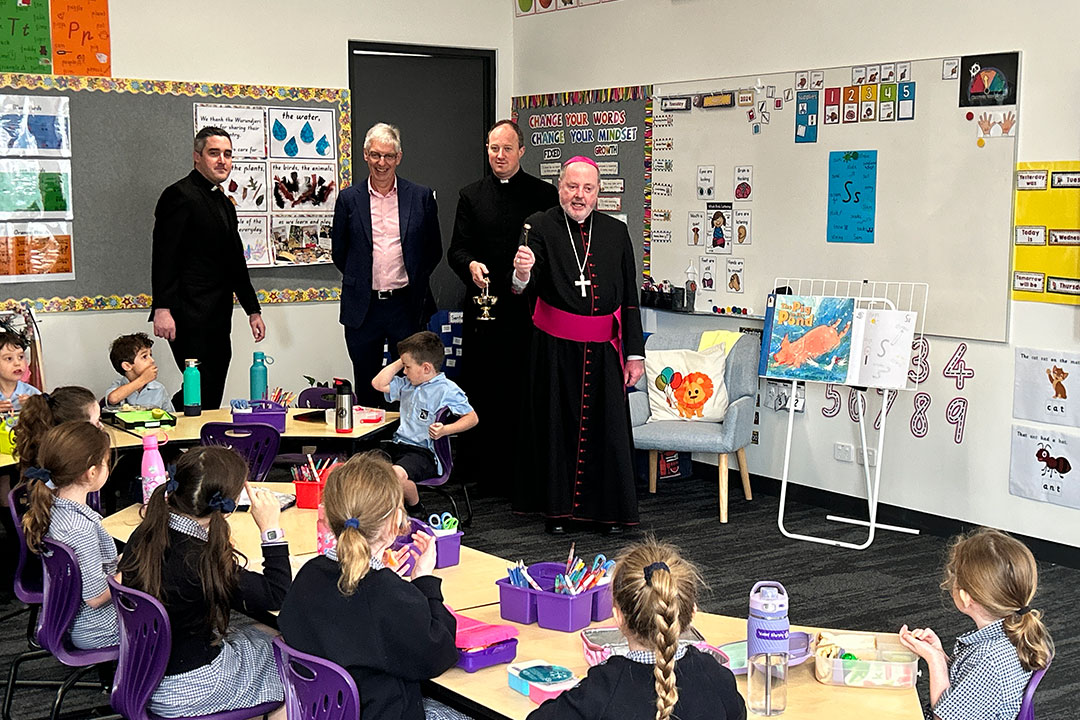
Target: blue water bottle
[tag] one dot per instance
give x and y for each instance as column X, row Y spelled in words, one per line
column 257, row 376
column 192, row 388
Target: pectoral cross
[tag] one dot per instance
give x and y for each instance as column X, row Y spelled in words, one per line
column 582, row 282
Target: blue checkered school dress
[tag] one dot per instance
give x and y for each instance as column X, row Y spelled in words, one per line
column 243, row 674
column 986, row 679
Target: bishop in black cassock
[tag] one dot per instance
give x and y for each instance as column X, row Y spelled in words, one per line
column 487, row 230
column 578, row 462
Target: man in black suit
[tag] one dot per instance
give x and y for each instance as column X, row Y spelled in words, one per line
column 198, row 263
column 386, row 243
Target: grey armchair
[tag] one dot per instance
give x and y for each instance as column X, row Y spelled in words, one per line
column 730, row 436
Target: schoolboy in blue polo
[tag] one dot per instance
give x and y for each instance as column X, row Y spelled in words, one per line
column 12, row 367
column 422, row 391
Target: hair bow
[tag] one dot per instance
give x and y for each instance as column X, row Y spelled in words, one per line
column 650, row 569
column 171, row 486
column 221, row 503
column 353, row 523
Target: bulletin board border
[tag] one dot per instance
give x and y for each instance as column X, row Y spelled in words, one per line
column 144, row 301
column 582, row 97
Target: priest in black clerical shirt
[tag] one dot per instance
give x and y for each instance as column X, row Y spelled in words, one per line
column 487, row 231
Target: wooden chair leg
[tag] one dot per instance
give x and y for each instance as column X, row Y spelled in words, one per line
column 723, row 481
column 654, row 460
column 745, row 472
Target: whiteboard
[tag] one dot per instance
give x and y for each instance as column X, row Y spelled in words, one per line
column 943, row 199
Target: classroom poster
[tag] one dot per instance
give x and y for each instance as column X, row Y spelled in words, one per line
column 255, row 237
column 718, row 228
column 26, row 47
column 246, row 125
column 852, row 196
column 301, row 239
column 302, row 133
column 1046, row 238
column 35, row 189
column 1043, row 381
column 81, row 39
column 303, row 187
column 246, row 186
column 1041, row 465
column 35, row 125
column 881, row 343
column 807, row 338
column 35, row 251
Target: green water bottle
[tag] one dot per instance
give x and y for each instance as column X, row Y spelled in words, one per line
column 192, row 388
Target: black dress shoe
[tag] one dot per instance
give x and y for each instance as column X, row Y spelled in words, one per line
column 554, row 527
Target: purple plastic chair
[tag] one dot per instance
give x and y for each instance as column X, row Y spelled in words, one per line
column 315, row 689
column 446, row 459
column 62, row 600
column 1027, row 706
column 256, row 442
column 145, row 643
column 28, row 578
column 318, row 397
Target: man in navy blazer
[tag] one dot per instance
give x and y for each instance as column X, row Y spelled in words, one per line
column 386, row 243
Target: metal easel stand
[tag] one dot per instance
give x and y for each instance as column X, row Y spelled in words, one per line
column 872, row 485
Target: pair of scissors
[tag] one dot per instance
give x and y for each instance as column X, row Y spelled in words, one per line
column 446, row 521
column 598, row 562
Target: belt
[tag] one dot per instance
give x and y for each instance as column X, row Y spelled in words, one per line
column 387, row 294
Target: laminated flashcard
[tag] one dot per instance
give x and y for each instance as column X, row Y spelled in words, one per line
column 873, row 74
column 806, row 116
column 706, row 182
column 663, row 120
column 756, row 128
column 764, row 117
column 550, row 169
column 858, row 75
column 868, row 100
column 1032, row 179
column 991, row 124
column 609, row 203
column 708, row 273
column 724, row 99
column 1043, row 382
column 817, row 79
column 734, row 275
column 718, row 227
column 1041, row 463
column 695, row 228
column 802, row 80
column 989, row 79
column 661, row 189
column 770, row 91
column 888, row 72
column 831, row 115
column 905, row 107
column 743, row 185
column 675, row 104
column 789, row 94
column 851, row 104
column 745, row 97
column 887, row 102
column 903, row 71
column 611, row 167
column 742, row 226
column 660, row 236
column 612, row 185
column 950, row 68
column 660, row 215
column 664, row 144
column 1030, row 235
column 778, row 104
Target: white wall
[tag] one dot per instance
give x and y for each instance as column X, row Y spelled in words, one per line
column 652, row 41
column 269, row 42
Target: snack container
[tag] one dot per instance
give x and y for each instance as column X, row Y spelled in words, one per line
column 537, row 692
column 882, row 662
column 501, row 652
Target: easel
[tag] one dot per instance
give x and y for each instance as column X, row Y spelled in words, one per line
column 871, row 295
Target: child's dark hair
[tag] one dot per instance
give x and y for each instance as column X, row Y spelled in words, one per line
column 126, row 347
column 14, row 339
column 423, row 347
column 67, row 451
column 364, row 489
column 207, row 482
column 44, row 411
column 656, row 592
column 999, row 573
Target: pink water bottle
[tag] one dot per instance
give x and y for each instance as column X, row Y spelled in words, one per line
column 153, row 467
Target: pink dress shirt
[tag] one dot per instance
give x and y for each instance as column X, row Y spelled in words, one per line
column 387, row 262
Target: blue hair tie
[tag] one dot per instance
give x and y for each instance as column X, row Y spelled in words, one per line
column 221, row 503
column 39, row 473
column 171, row 486
column 650, row 569
column 352, row 523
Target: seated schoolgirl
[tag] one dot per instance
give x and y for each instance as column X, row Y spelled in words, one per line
column 387, row 632
column 655, row 595
column 72, row 461
column 182, row 554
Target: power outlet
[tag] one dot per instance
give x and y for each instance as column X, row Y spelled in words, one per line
column 844, row 452
column 871, row 455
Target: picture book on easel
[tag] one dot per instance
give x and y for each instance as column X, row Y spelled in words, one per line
column 807, row 338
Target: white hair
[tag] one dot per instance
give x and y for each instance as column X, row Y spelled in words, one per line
column 383, row 132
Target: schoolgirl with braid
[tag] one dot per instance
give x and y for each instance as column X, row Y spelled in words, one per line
column 182, row 554
column 73, row 461
column 654, row 591
column 388, row 633
column 992, row 578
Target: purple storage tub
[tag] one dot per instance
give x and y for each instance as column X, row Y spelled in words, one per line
column 552, row 610
column 568, row 613
column 262, row 411
column 500, row 652
column 447, row 549
column 516, row 604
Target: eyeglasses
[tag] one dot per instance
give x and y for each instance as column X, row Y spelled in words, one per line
column 376, row 157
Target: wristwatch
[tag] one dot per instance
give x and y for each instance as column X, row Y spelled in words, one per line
column 273, row 535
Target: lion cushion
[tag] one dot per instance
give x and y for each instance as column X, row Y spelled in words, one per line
column 687, row 385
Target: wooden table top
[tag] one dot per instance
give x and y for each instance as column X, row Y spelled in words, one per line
column 807, row 698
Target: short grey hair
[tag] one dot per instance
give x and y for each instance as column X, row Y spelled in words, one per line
column 383, row 132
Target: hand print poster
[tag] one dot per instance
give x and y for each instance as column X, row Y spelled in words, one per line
column 302, row 133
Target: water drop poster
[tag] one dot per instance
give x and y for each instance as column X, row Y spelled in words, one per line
column 302, row 133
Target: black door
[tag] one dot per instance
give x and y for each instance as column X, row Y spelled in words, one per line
column 443, row 101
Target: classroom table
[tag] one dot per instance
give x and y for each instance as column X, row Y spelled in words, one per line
column 485, row 693
column 469, row 584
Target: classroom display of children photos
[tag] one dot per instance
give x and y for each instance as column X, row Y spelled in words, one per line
column 284, row 180
column 840, row 172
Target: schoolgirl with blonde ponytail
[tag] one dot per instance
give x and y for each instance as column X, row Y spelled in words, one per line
column 992, row 578
column 388, row 633
column 654, row 592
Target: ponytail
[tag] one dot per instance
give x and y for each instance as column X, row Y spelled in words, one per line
column 655, row 589
column 1034, row 646
column 354, row 554
column 38, row 515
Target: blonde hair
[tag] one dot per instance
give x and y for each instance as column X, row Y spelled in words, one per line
column 365, row 489
column 655, row 589
column 999, row 573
